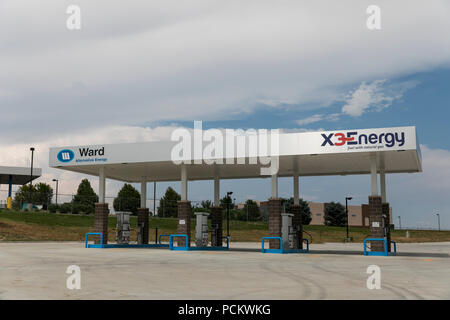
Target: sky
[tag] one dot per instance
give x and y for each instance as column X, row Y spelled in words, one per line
column 135, row 71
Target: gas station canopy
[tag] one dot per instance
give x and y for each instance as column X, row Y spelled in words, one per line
column 18, row 175
column 340, row 152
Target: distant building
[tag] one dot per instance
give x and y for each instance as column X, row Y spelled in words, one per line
column 358, row 216
column 241, row 205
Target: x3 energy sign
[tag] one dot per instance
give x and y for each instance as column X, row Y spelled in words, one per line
column 354, row 138
column 359, row 140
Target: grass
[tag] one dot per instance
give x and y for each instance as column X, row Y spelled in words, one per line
column 43, row 226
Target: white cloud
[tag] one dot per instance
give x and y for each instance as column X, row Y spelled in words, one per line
column 309, row 120
column 365, row 96
column 318, row 117
column 142, row 62
column 374, row 96
column 368, row 96
column 436, row 172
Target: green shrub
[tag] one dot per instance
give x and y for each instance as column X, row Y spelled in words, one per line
column 65, row 207
column 235, row 214
column 53, row 208
column 87, row 208
column 76, row 208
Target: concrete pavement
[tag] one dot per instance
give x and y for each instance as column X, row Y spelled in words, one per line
column 31, row 270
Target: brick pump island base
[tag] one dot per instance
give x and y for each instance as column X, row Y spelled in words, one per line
column 379, row 226
column 372, row 152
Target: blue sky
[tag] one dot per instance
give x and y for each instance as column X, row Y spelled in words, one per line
column 136, row 72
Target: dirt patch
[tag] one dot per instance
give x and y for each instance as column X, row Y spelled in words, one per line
column 17, row 231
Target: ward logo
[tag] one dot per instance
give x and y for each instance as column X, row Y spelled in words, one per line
column 65, row 155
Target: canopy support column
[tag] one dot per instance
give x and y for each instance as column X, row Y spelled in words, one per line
column 373, row 175
column 144, row 192
column 274, row 186
column 143, row 215
column 376, row 220
column 296, row 190
column 101, row 212
column 383, row 185
column 216, row 190
column 184, row 210
column 274, row 215
column 101, row 185
column 385, row 209
column 184, row 183
column 297, row 212
column 216, row 214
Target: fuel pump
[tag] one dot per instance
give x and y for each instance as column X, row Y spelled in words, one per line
column 296, row 236
column 123, row 227
column 287, row 232
column 140, row 233
column 201, row 229
column 386, row 231
column 290, row 233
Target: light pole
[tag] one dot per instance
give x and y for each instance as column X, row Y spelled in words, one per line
column 229, row 193
column 31, row 177
column 346, row 210
column 439, row 222
column 56, row 199
column 154, row 198
column 399, row 222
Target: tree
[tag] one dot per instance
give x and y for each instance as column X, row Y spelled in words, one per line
column 23, row 196
column 206, row 204
column 128, row 199
column 86, row 196
column 304, row 209
column 251, row 210
column 42, row 194
column 19, row 197
column 225, row 201
column 335, row 215
column 168, row 205
column 198, row 209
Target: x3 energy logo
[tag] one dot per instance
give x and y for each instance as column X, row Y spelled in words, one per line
column 389, row 139
column 342, row 139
